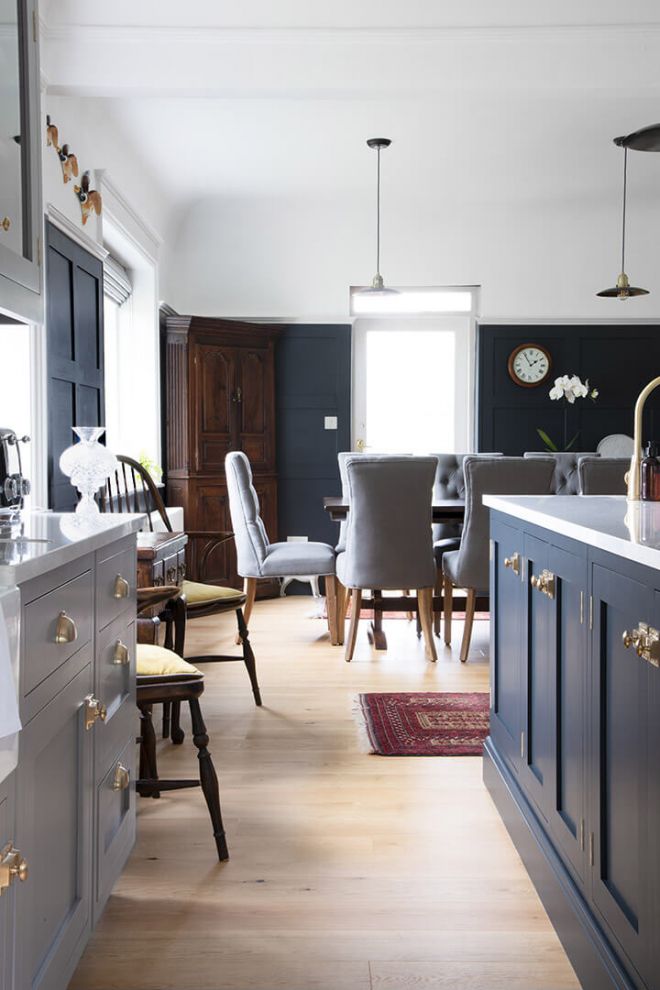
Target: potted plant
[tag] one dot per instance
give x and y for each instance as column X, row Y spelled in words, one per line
column 567, row 388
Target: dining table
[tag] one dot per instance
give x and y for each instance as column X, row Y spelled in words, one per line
column 443, row 510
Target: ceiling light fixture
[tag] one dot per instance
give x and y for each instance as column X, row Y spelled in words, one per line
column 623, row 289
column 377, row 286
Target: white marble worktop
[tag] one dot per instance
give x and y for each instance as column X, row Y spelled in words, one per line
column 47, row 540
column 608, row 522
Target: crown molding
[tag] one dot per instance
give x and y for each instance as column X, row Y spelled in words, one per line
column 146, row 34
column 76, row 233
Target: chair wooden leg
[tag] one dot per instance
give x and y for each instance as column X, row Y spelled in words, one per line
column 166, row 719
column 341, row 612
column 356, row 605
column 437, row 591
column 250, row 592
column 409, row 615
column 148, row 768
column 349, row 592
column 177, row 735
column 425, row 607
column 248, row 656
column 331, row 603
column 208, row 778
column 448, row 607
column 470, row 605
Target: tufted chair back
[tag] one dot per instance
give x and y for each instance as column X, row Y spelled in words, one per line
column 342, row 458
column 450, row 483
column 565, row 479
column 249, row 531
column 388, row 537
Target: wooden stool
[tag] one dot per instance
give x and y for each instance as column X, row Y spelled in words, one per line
column 164, row 678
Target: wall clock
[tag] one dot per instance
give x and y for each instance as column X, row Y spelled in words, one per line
column 529, row 365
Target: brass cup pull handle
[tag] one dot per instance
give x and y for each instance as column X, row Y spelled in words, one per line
column 513, row 562
column 121, row 655
column 13, row 866
column 94, row 709
column 6, row 223
column 122, row 588
column 121, row 779
column 66, row 630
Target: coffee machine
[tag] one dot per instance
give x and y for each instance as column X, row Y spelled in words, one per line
column 13, row 485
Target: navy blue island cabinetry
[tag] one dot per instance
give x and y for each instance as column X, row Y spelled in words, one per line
column 573, row 757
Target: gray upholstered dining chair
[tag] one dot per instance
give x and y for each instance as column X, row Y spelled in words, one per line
column 603, row 475
column 258, row 558
column 565, row 475
column 389, row 542
column 467, row 567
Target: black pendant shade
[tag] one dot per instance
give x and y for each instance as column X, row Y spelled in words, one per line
column 378, row 287
column 645, row 139
column 623, row 289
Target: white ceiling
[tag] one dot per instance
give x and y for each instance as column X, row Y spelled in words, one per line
column 256, row 98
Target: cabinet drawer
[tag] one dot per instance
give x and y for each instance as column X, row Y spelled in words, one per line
column 56, row 626
column 171, row 569
column 114, row 682
column 115, row 823
column 116, row 578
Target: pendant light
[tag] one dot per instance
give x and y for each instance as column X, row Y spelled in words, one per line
column 377, row 286
column 623, row 289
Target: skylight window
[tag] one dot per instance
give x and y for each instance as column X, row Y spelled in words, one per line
column 412, row 302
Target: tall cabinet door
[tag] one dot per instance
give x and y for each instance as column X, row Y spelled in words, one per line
column 54, row 828
column 215, row 399
column 620, row 800
column 506, row 584
column 256, row 408
column 7, row 897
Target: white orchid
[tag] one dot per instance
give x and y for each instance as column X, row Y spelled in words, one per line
column 569, row 387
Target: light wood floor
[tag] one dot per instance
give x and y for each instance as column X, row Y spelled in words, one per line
column 347, row 871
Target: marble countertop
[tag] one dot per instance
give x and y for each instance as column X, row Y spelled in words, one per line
column 608, row 522
column 47, row 540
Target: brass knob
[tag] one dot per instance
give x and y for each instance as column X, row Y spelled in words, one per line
column 121, row 779
column 121, row 656
column 122, row 587
column 66, row 630
column 627, row 639
column 535, row 582
column 13, row 866
column 94, row 709
column 6, row 223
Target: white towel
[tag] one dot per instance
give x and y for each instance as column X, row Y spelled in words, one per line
column 10, row 722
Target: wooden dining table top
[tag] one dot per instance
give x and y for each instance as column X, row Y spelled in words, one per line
column 444, row 509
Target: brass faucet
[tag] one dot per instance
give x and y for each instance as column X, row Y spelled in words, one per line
column 634, row 474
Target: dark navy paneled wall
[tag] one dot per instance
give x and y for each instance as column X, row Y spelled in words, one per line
column 312, row 381
column 618, row 359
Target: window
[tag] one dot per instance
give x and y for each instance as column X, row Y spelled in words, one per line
column 413, row 301
column 117, row 320
column 413, row 389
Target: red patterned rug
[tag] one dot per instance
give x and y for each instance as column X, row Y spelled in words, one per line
column 425, row 724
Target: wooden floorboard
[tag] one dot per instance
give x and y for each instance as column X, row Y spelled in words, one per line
column 348, row 871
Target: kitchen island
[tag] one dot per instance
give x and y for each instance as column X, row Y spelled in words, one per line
column 67, row 812
column 573, row 757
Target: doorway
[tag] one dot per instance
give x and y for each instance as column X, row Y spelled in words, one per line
column 413, row 381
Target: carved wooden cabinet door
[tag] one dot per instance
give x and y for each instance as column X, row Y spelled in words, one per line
column 216, row 399
column 255, row 408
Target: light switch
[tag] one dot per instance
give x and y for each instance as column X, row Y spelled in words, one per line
column 297, row 539
column 330, row 423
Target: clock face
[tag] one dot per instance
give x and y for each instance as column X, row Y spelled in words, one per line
column 529, row 365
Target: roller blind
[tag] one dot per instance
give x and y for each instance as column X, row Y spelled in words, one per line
column 116, row 281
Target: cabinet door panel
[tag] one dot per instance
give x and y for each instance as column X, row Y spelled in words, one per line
column 566, row 809
column 256, row 408
column 115, row 823
column 506, row 643
column 539, row 678
column 620, row 799
column 54, row 834
column 7, row 898
column 214, row 421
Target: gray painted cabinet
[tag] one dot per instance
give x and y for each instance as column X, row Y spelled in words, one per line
column 73, row 811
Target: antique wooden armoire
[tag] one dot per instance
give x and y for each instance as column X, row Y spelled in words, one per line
column 219, row 396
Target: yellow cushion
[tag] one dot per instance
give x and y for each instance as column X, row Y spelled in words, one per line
column 156, row 661
column 197, row 593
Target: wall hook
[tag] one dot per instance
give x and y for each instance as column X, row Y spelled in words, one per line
column 69, row 163
column 52, row 137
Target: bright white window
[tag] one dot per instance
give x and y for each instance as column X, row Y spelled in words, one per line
column 413, row 301
column 413, row 379
column 117, row 328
